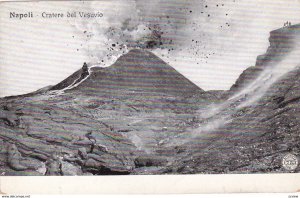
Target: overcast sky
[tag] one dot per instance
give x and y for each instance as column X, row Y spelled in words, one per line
column 210, row 42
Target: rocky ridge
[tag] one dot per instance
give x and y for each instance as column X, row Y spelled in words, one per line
column 281, row 44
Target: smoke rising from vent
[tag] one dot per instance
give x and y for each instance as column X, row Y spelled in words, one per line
column 157, row 24
column 189, row 35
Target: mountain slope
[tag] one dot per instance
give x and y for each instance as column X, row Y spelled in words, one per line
column 258, row 124
column 254, row 139
column 109, row 123
column 140, row 70
column 282, row 42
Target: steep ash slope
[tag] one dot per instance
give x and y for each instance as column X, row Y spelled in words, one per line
column 259, row 123
column 254, row 139
column 142, row 71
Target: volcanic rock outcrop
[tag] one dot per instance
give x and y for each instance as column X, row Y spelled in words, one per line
column 282, row 43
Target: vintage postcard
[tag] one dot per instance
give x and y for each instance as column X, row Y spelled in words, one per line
column 172, row 88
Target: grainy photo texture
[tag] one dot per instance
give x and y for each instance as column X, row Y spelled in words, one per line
column 154, row 87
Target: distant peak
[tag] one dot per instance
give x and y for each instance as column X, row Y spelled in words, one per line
column 142, row 71
column 140, row 57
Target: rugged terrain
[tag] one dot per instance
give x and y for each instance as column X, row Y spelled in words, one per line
column 111, row 123
column 140, row 116
column 258, row 121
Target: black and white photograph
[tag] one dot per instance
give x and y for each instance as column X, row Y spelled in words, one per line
column 160, row 87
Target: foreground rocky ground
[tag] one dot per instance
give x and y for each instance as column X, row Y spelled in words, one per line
column 112, row 123
column 140, row 116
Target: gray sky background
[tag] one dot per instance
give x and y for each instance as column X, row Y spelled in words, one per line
column 212, row 41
